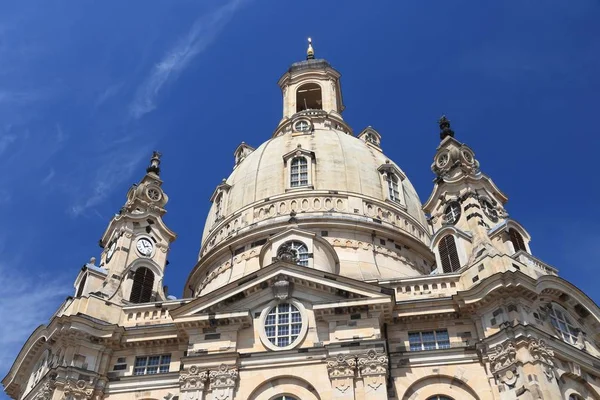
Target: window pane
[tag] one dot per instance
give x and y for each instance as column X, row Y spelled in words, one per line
column 166, row 359
column 153, row 360
column 164, row 369
column 270, row 330
column 284, row 318
column 151, row 370
column 270, row 319
column 140, row 361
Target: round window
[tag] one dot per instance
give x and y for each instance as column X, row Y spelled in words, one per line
column 452, row 213
column 302, row 126
column 284, row 326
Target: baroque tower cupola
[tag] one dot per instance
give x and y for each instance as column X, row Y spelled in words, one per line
column 135, row 245
column 311, row 88
column 466, row 208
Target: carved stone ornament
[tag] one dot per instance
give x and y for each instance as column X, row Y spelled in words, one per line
column 286, row 253
column 223, row 381
column 281, row 288
column 193, row 379
column 504, row 356
column 79, row 389
column 342, row 370
column 540, row 352
column 45, row 391
column 373, row 367
column 509, row 377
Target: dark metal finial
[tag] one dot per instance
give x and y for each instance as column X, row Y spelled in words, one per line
column 445, row 128
column 154, row 163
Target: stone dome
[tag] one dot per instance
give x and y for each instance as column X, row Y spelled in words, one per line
column 316, row 194
column 343, row 163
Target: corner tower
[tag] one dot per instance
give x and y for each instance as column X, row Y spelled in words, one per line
column 466, row 209
column 135, row 246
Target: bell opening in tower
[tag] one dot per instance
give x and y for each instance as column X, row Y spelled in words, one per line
column 309, row 97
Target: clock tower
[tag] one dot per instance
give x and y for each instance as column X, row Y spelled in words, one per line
column 135, row 246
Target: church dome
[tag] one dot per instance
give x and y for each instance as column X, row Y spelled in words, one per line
column 316, row 194
column 342, row 163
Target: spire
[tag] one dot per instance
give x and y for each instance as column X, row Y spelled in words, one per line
column 154, row 163
column 445, row 128
column 310, row 52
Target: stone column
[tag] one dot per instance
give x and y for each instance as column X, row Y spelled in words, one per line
column 373, row 370
column 222, row 382
column 342, row 370
column 192, row 382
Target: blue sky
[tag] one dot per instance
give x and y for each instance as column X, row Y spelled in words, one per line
column 89, row 89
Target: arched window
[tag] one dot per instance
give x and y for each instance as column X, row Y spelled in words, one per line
column 439, row 397
column 575, row 397
column 298, row 249
column 218, row 205
column 299, row 172
column 561, row 321
column 517, row 240
column 393, row 191
column 448, row 254
column 81, row 286
column 141, row 290
column 309, row 97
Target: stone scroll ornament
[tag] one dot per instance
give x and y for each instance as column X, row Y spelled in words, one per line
column 543, row 354
column 342, row 370
column 191, row 383
column 502, row 364
column 373, row 368
column 223, row 381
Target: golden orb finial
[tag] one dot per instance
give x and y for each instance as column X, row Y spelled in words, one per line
column 310, row 53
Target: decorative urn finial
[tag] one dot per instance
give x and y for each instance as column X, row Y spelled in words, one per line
column 310, row 52
column 154, row 163
column 445, row 128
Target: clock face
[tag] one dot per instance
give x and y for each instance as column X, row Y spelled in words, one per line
column 111, row 251
column 144, row 246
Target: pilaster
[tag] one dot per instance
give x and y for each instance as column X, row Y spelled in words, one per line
column 192, row 383
column 222, row 382
column 342, row 371
column 372, row 367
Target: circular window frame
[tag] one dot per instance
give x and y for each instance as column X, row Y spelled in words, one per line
column 152, row 187
column 308, row 129
column 443, row 159
column 450, row 204
column 303, row 329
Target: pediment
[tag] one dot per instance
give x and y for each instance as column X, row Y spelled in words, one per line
column 325, row 292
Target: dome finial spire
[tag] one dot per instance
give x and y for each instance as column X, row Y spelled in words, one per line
column 154, row 163
column 445, row 127
column 310, row 52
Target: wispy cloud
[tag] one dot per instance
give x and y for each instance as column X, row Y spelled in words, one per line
column 203, row 32
column 111, row 171
column 27, row 301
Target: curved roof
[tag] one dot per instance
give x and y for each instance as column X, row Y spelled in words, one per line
column 343, row 163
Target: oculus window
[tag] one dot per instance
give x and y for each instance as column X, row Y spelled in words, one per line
column 283, row 325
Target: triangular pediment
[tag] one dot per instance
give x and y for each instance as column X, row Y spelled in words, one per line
column 325, row 292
